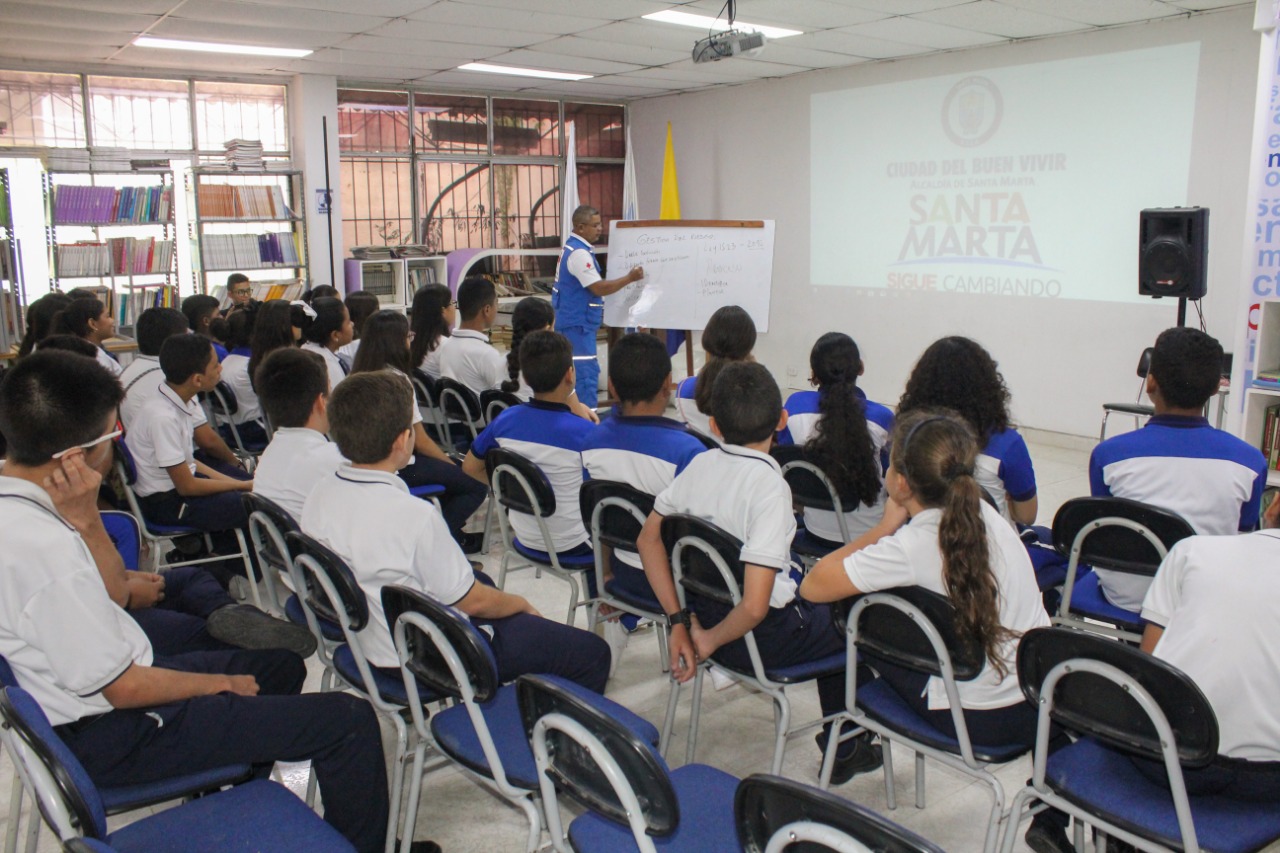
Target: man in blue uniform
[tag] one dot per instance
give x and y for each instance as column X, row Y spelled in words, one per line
column 579, row 298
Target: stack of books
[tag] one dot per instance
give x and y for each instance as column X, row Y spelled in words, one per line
column 77, row 205
column 67, row 160
column 250, row 251
column 1268, row 379
column 104, row 159
column 244, row 155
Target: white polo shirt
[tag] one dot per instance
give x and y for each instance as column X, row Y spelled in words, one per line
column 141, row 380
column 64, row 637
column 1218, row 598
column 387, row 536
column 296, row 459
column 162, row 437
column 911, row 557
column 105, row 359
column 473, row 361
column 348, row 351
column 337, row 370
column 742, row 492
column 687, row 410
column 550, row 436
column 413, row 397
column 431, row 361
column 235, row 372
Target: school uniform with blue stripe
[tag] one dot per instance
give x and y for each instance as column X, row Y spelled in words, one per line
column 803, row 416
column 687, row 409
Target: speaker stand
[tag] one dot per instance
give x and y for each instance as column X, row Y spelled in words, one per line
column 1182, row 311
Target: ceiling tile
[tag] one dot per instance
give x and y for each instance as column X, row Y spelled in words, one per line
column 16, row 33
column 559, row 62
column 254, row 15
column 348, row 71
column 853, row 44
column 988, row 16
column 804, row 57
column 25, row 48
column 614, row 10
column 134, row 7
column 794, row 14
column 637, row 54
column 735, row 70
column 458, row 51
column 1201, row 5
column 275, row 37
column 905, row 7
column 647, row 32
column 82, row 19
column 410, row 64
column 183, row 63
column 513, row 16
column 385, row 8
column 433, row 31
column 926, row 33
column 1099, row 13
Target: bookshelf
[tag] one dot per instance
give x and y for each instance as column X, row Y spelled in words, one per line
column 12, row 294
column 113, row 232
column 1262, row 398
column 394, row 280
column 247, row 222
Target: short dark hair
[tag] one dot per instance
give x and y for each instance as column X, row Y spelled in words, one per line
column 1187, row 365
column 157, row 325
column 69, row 343
column 182, row 356
column 288, row 382
column 638, row 367
column 368, row 412
column 52, row 401
column 474, row 294
column 240, row 326
column 198, row 306
column 236, row 278
column 746, row 403
column 319, row 291
column 545, row 357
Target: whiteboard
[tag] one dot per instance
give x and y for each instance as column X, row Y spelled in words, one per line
column 690, row 270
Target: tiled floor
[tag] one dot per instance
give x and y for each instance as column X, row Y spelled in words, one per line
column 736, row 730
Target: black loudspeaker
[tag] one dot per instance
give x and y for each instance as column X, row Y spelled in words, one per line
column 1173, row 252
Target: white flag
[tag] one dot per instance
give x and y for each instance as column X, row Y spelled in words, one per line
column 630, row 195
column 569, row 187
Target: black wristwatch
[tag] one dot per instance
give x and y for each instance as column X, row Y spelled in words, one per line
column 680, row 617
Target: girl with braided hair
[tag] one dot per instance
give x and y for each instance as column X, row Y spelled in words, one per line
column 959, row 546
column 531, row 314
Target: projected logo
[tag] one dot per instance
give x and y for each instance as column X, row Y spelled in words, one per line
column 971, row 112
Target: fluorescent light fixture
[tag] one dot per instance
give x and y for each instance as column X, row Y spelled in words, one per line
column 706, row 22
column 214, row 47
column 523, row 72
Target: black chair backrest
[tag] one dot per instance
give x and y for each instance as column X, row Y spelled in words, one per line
column 889, row 633
column 618, row 528
column 279, row 516
column 340, row 576
column 425, row 388
column 494, row 401
column 1114, row 547
column 1144, row 362
column 425, row 661
column 124, row 456
column 700, row 575
column 765, row 804
column 576, row 773
column 224, row 402
column 513, row 495
column 470, row 409
column 1087, row 703
column 806, row 489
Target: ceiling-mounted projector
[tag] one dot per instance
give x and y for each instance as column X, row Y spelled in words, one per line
column 729, row 43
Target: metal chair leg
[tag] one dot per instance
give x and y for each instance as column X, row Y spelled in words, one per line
column 890, row 786
column 694, row 714
column 781, row 725
column 15, row 815
column 668, row 722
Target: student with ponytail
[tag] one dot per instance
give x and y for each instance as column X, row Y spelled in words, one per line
column 432, row 316
column 89, row 319
column 843, row 433
column 531, row 314
column 40, row 316
column 730, row 336
column 327, row 332
column 956, row 545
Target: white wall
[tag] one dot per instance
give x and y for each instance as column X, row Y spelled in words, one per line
column 743, row 152
column 312, row 97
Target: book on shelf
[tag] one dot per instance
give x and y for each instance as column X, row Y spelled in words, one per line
column 11, row 327
column 250, row 251
column 116, row 256
column 132, row 301
column 4, row 205
column 223, row 201
column 264, row 291
column 81, row 205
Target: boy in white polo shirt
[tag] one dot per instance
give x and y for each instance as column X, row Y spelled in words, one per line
column 129, row 715
column 172, row 486
column 364, row 513
column 546, row 432
column 470, row 358
column 739, row 487
column 293, row 386
column 1214, row 612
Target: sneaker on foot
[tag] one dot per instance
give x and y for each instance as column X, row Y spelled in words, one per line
column 863, row 757
column 471, row 543
column 417, row 846
column 248, row 627
column 616, row 636
column 1047, row 836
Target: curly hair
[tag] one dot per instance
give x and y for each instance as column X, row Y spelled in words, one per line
column 841, row 444
column 957, row 373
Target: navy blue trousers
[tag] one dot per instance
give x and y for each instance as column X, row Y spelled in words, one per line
column 218, row 515
column 336, row 731
column 176, row 625
column 462, row 496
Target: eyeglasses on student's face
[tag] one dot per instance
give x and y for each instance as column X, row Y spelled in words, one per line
column 241, row 291
column 91, row 444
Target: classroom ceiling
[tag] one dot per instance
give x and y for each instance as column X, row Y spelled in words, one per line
column 421, row 42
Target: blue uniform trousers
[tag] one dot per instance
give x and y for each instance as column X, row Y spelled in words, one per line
column 585, row 362
column 176, row 625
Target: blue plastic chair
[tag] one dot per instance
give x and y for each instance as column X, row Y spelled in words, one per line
column 634, row 799
column 1127, row 704
column 520, row 486
column 706, row 560
column 915, row 629
column 259, row 816
column 442, row 653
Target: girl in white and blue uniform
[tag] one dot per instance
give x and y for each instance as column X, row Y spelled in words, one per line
column 730, row 336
